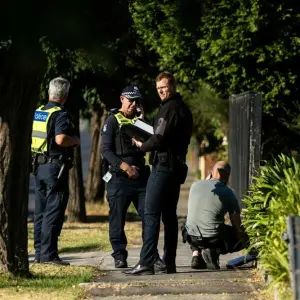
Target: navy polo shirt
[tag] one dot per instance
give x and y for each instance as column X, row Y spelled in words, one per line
column 60, row 119
column 60, row 123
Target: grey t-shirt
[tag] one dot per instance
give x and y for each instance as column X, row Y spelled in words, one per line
column 209, row 200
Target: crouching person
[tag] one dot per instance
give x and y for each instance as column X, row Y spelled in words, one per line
column 205, row 230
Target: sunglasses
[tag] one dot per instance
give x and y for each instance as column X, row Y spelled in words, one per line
column 137, row 100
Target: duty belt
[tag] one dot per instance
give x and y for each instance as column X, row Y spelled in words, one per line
column 169, row 160
column 44, row 159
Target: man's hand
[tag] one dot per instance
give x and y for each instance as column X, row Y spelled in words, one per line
column 131, row 171
column 137, row 143
column 236, row 222
column 243, row 237
column 208, row 177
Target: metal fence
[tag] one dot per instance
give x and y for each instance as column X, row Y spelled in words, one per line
column 293, row 226
column 245, row 113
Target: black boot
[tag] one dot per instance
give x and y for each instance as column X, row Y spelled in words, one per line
column 119, row 263
column 160, row 266
column 198, row 263
column 211, row 258
column 140, row 270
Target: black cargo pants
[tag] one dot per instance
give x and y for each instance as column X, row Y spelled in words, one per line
column 51, row 198
column 121, row 191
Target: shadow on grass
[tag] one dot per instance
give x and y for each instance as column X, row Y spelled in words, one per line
column 50, row 279
column 130, row 217
column 82, row 248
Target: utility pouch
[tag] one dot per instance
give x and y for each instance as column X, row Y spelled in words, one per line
column 41, row 159
column 67, row 161
column 163, row 158
column 104, row 165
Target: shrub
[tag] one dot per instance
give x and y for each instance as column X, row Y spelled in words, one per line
column 274, row 196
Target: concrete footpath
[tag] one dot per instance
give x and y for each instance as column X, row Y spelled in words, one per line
column 186, row 284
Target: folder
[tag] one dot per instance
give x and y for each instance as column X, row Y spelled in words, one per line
column 139, row 129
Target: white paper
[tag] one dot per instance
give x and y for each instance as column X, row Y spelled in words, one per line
column 144, row 126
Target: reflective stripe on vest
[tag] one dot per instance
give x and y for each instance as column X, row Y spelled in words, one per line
column 123, row 148
column 39, row 129
column 123, row 120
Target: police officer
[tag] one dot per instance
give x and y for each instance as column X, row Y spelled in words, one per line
column 127, row 176
column 169, row 144
column 53, row 140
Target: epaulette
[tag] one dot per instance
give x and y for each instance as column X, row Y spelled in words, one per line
column 113, row 111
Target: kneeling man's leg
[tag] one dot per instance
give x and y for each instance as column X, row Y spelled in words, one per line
column 231, row 242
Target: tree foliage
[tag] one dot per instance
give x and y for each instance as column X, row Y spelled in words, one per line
column 210, row 115
column 171, row 29
column 69, row 31
column 233, row 46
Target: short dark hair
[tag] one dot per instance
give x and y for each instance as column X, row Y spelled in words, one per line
column 168, row 75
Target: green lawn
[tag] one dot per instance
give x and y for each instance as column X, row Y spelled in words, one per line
column 47, row 282
column 62, row 283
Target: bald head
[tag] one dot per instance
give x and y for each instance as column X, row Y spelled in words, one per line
column 221, row 171
column 222, row 165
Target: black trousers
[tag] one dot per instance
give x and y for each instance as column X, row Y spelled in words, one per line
column 51, row 198
column 162, row 196
column 226, row 241
column 121, row 191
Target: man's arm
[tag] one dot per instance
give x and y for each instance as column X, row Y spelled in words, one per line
column 241, row 234
column 235, row 216
column 108, row 135
column 166, row 122
column 65, row 140
column 62, row 130
column 236, row 222
column 108, row 150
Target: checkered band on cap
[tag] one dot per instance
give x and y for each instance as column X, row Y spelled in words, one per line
column 131, row 92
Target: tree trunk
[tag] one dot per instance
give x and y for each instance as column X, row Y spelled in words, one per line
column 95, row 186
column 19, row 89
column 76, row 205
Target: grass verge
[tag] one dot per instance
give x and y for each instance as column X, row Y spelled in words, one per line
column 48, row 282
column 92, row 236
column 61, row 282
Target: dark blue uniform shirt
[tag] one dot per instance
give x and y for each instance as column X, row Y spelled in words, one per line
column 59, row 123
column 109, row 134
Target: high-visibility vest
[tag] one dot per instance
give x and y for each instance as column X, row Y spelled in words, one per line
column 39, row 129
column 122, row 148
column 123, row 120
column 123, row 144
